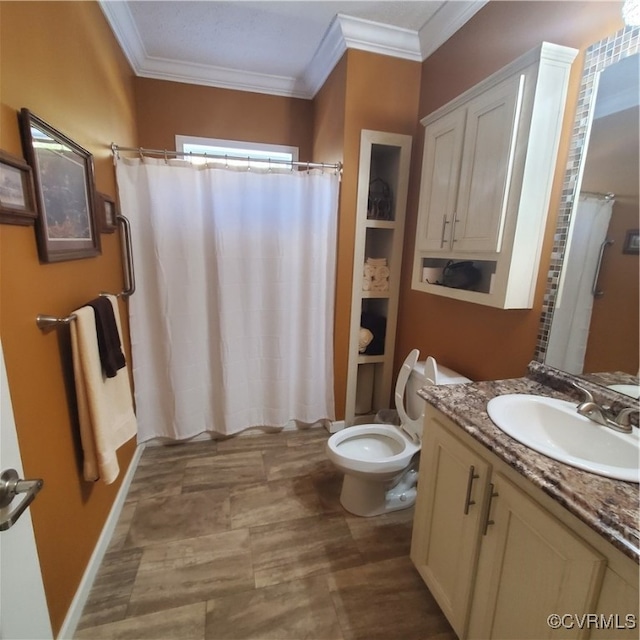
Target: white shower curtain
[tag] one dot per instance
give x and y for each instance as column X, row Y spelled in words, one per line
column 572, row 316
column 232, row 319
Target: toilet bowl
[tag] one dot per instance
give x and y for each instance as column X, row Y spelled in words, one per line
column 379, row 461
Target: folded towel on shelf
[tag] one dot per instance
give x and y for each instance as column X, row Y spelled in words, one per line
column 381, row 272
column 376, row 262
column 109, row 345
column 366, row 283
column 380, row 285
column 368, row 271
column 105, row 405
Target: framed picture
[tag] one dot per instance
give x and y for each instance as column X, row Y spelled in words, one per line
column 631, row 241
column 17, row 198
column 66, row 227
column 107, row 212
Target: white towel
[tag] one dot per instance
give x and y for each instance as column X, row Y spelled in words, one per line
column 105, row 405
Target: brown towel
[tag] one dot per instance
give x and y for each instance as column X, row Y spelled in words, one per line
column 109, row 347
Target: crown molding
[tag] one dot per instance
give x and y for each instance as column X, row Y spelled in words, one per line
column 344, row 32
column 450, row 17
column 328, row 54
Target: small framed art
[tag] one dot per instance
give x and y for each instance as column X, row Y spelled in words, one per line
column 17, row 197
column 107, row 212
column 631, row 241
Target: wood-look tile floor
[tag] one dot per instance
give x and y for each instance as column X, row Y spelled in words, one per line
column 245, row 538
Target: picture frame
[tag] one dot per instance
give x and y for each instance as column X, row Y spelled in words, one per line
column 632, row 242
column 108, row 212
column 17, row 196
column 66, row 224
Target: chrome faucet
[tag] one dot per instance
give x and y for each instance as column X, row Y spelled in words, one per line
column 602, row 414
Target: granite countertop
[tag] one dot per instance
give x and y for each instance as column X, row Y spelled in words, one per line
column 610, row 507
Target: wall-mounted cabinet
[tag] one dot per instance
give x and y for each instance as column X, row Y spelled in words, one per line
column 487, row 171
column 381, row 203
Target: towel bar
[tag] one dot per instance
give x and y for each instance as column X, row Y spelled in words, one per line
column 47, row 323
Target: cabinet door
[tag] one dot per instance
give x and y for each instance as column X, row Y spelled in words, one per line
column 446, row 524
column 487, row 161
column 530, row 567
column 439, row 182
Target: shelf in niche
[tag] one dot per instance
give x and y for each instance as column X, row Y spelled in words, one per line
column 380, row 224
column 370, row 359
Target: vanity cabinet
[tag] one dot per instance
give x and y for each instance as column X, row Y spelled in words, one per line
column 383, row 179
column 447, row 521
column 497, row 561
column 488, row 165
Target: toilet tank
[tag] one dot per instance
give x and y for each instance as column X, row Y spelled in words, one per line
column 418, row 378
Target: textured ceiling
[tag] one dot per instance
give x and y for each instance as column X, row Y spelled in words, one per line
column 283, row 47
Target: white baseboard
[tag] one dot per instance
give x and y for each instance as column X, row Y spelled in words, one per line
column 68, row 629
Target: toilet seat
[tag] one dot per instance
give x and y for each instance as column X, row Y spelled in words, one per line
column 412, row 427
column 373, row 464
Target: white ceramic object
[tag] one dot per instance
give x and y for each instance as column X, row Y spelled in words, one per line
column 377, row 459
column 554, row 428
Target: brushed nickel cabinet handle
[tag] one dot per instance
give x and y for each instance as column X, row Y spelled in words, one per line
column 492, row 494
column 468, row 501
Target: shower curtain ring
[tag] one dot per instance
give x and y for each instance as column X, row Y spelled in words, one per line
column 140, row 152
column 248, row 163
column 226, row 161
column 269, row 161
column 307, row 168
column 166, row 160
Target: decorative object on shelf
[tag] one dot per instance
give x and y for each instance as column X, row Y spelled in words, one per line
column 460, row 275
column 66, row 227
column 632, row 242
column 432, row 275
column 380, row 204
column 365, row 339
column 17, row 197
column 107, row 212
column 377, row 325
column 375, row 275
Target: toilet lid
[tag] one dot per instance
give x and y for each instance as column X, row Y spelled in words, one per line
column 413, row 428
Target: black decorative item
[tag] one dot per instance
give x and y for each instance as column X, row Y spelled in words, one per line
column 380, row 204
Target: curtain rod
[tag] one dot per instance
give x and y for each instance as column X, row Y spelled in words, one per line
column 116, row 149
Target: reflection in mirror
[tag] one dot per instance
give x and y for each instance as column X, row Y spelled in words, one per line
column 590, row 321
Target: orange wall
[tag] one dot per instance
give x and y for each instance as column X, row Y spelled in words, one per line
column 380, row 93
column 73, row 75
column 483, row 342
column 166, row 109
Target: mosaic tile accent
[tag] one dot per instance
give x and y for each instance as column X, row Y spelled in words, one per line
column 598, row 56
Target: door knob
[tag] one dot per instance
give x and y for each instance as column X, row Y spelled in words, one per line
column 10, row 486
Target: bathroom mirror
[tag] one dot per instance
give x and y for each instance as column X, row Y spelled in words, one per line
column 589, row 325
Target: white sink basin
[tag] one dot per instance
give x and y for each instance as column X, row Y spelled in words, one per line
column 553, row 427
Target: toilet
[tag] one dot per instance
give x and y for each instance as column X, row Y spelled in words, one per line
column 379, row 461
